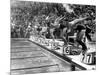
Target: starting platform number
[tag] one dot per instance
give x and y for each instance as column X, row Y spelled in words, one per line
column 67, row 50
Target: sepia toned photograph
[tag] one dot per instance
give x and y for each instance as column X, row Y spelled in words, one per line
column 51, row 37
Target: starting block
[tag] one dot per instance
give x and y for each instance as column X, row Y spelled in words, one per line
column 70, row 50
column 57, row 45
column 90, row 57
column 67, row 49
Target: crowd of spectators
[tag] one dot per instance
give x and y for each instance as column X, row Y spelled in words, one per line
column 25, row 16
